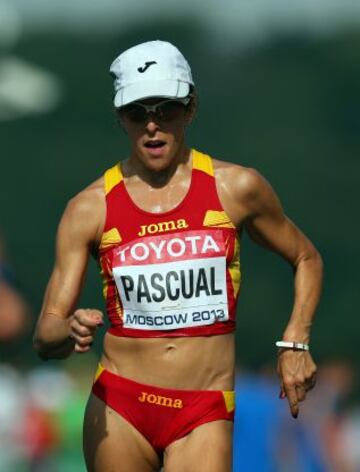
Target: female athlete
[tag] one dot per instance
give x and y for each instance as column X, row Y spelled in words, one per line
column 165, row 226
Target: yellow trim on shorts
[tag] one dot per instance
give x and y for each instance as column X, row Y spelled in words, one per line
column 202, row 162
column 112, row 177
column 98, row 372
column 229, row 398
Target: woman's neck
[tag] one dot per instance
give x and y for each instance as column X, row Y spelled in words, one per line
column 156, row 178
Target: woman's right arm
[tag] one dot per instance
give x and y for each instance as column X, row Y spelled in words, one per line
column 61, row 329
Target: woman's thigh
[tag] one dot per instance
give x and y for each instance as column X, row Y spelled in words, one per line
column 207, row 448
column 111, row 444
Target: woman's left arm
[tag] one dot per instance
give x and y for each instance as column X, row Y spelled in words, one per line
column 268, row 226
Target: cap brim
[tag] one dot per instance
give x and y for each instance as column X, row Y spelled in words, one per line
column 142, row 90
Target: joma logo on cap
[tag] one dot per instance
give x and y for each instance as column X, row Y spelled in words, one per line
column 146, row 66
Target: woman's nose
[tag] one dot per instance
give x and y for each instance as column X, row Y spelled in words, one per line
column 151, row 123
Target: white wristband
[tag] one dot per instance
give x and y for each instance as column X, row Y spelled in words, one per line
column 292, row 345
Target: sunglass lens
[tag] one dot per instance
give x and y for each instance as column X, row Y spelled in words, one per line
column 166, row 111
column 169, row 110
column 135, row 112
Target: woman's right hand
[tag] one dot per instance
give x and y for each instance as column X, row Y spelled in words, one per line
column 83, row 326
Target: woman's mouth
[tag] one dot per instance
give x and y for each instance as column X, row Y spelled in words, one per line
column 155, row 146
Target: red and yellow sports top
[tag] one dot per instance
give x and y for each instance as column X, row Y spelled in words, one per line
column 169, row 274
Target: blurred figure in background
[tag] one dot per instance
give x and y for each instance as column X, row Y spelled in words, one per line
column 14, row 316
column 14, row 320
column 27, row 430
column 329, row 410
column 324, row 439
column 265, row 438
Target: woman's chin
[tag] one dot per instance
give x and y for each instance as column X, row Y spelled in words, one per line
column 157, row 159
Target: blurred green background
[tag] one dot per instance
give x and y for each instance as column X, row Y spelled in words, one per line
column 289, row 108
column 287, row 105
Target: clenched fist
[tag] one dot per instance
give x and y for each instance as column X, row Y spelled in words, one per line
column 83, row 325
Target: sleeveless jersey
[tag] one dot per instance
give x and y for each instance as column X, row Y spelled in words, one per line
column 175, row 273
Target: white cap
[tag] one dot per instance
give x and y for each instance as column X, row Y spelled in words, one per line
column 152, row 69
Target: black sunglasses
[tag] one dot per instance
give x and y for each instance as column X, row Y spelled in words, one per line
column 165, row 110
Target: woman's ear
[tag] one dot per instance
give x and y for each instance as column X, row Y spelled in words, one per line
column 120, row 120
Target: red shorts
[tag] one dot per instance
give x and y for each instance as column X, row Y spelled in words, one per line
column 162, row 415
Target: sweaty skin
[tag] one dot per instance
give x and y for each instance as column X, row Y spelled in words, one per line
column 157, row 182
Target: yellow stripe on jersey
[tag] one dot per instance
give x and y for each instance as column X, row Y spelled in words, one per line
column 118, row 307
column 229, row 398
column 217, row 218
column 110, row 237
column 234, row 268
column 112, row 177
column 202, row 162
column 99, row 371
column 105, row 284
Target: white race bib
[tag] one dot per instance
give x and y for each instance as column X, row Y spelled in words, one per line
column 172, row 281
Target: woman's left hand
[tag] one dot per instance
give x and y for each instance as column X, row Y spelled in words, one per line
column 297, row 373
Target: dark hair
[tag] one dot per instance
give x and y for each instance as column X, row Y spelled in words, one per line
column 193, row 104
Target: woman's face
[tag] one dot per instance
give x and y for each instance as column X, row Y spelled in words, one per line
column 157, row 135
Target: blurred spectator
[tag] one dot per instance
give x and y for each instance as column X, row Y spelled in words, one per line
column 49, row 390
column 12, row 406
column 350, row 439
column 324, row 438
column 41, row 420
column 257, row 420
column 337, row 422
column 266, row 438
column 13, row 310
